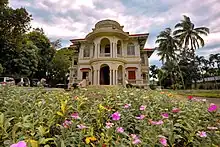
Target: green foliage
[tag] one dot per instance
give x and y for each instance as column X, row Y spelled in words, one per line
column 60, row 65
column 36, row 115
column 1, row 69
column 179, row 47
column 45, row 51
column 13, row 24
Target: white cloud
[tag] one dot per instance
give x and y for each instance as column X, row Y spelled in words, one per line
column 70, row 19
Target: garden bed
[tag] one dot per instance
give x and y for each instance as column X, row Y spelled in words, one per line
column 102, row 117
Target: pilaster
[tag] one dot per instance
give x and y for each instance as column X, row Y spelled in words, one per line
column 98, row 77
column 116, row 76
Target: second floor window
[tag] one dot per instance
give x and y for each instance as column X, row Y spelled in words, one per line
column 131, row 49
column 86, row 52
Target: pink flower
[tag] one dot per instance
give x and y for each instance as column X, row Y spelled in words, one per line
column 212, row 107
column 81, row 126
column 212, row 128
column 190, row 97
column 165, row 115
column 163, row 141
column 202, row 134
column 116, row 116
column 127, row 106
column 136, row 141
column 75, row 98
column 160, row 122
column 140, row 117
column 120, row 130
column 19, row 144
column 134, row 136
column 67, row 124
column 75, row 115
column 142, row 107
column 109, row 125
column 176, row 110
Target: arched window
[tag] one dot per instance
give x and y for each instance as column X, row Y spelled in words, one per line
column 131, row 49
column 119, row 51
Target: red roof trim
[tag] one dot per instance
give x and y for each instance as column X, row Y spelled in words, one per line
column 145, row 34
column 82, row 39
column 149, row 49
column 85, row 69
column 131, row 68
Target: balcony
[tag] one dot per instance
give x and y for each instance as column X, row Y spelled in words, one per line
column 105, row 54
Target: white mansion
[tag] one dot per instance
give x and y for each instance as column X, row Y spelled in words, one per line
column 109, row 56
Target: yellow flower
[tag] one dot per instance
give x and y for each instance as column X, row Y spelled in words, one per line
column 170, row 95
column 33, row 143
column 90, row 139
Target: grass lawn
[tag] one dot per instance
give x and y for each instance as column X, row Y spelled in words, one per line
column 200, row 93
column 105, row 116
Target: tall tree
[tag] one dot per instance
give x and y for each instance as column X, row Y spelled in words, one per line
column 60, row 66
column 190, row 36
column 14, row 23
column 167, row 45
column 153, row 72
column 45, row 51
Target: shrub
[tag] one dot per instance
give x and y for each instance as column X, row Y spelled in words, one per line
column 105, row 117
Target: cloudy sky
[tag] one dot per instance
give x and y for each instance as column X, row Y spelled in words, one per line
column 69, row 19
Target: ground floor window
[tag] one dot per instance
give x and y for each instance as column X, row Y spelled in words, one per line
column 144, row 76
column 85, row 74
column 131, row 75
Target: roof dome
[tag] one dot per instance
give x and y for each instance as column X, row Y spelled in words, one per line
column 108, row 23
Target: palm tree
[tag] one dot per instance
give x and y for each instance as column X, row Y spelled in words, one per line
column 170, row 67
column 167, row 45
column 189, row 36
column 153, row 72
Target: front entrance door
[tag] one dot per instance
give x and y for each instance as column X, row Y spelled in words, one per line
column 104, row 75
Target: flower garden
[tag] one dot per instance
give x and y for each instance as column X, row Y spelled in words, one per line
column 104, row 117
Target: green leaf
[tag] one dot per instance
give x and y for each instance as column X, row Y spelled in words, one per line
column 2, row 118
column 41, row 130
column 60, row 113
column 62, row 143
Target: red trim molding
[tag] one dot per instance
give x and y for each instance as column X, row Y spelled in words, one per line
column 149, row 49
column 131, row 68
column 145, row 34
column 85, row 69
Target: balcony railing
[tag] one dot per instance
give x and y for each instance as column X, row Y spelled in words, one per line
column 105, row 55
column 119, row 55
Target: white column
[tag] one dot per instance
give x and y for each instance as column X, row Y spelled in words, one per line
column 90, row 76
column 112, row 46
column 110, row 76
column 98, row 79
column 98, row 50
column 113, row 83
column 95, row 52
column 116, row 77
column 95, row 77
column 115, row 50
